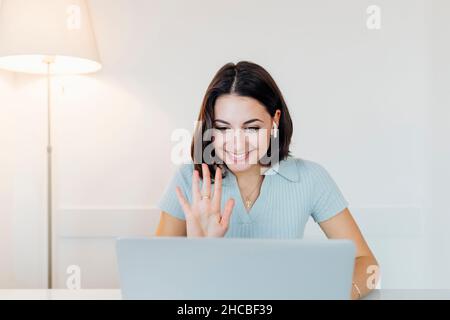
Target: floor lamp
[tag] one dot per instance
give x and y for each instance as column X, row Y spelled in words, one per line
column 47, row 37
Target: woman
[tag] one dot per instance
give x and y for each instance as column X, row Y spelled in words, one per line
column 243, row 181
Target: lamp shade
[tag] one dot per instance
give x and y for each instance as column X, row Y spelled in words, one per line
column 60, row 30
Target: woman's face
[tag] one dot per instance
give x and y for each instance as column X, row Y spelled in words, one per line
column 242, row 129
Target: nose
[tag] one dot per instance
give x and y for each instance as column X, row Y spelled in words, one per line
column 238, row 142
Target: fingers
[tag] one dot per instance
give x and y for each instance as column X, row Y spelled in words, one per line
column 228, row 209
column 196, row 196
column 183, row 202
column 217, row 189
column 206, row 188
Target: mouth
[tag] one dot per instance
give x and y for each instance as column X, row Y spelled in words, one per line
column 239, row 157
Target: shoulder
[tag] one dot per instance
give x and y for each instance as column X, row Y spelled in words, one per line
column 185, row 168
column 307, row 169
column 303, row 165
column 306, row 165
column 184, row 171
column 183, row 174
column 295, row 169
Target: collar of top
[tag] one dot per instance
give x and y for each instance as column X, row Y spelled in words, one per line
column 286, row 168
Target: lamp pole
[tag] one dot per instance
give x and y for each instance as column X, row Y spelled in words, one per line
column 49, row 60
column 68, row 47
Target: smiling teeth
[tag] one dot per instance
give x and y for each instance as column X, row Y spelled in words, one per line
column 238, row 156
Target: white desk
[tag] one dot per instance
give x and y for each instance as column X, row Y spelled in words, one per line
column 61, row 294
column 114, row 294
column 422, row 294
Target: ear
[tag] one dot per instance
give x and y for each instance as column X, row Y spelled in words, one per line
column 277, row 116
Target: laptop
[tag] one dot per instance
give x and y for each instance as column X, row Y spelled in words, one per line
column 179, row 268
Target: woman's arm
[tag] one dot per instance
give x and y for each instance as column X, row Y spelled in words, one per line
column 343, row 226
column 170, row 226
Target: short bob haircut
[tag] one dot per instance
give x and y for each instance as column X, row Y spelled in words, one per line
column 245, row 79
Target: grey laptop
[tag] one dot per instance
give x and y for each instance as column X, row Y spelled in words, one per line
column 176, row 268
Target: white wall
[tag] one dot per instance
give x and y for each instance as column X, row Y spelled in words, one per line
column 361, row 102
column 439, row 251
column 6, row 177
column 23, row 164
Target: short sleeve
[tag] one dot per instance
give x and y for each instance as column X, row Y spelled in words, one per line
column 327, row 198
column 169, row 202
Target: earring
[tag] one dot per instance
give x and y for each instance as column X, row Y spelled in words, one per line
column 275, row 130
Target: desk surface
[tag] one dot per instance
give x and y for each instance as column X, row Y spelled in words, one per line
column 114, row 294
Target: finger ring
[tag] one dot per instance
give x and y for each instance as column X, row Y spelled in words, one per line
column 205, row 196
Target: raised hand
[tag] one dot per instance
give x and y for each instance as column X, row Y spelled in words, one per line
column 203, row 216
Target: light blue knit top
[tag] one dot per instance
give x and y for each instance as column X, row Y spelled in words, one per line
column 291, row 192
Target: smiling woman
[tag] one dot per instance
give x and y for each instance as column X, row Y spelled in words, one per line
column 244, row 106
column 243, row 182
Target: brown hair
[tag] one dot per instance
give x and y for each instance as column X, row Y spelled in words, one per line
column 243, row 79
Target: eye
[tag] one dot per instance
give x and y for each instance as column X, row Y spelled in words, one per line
column 252, row 129
column 221, row 128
